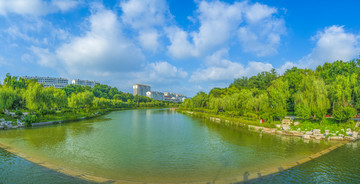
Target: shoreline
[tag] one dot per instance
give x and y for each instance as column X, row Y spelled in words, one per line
column 309, row 135
column 55, row 122
column 92, row 116
column 247, row 176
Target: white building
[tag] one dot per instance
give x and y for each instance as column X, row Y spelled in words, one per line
column 84, row 82
column 174, row 97
column 155, row 95
column 169, row 94
column 141, row 89
column 50, row 81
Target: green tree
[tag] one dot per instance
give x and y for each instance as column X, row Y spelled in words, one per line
column 35, row 98
column 311, row 98
column 7, row 97
column 200, row 100
column 278, row 96
column 81, row 100
column 341, row 93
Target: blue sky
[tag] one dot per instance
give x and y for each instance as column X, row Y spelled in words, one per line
column 180, row 46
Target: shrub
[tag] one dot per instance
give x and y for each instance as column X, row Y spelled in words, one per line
column 46, row 111
column 18, row 113
column 30, row 119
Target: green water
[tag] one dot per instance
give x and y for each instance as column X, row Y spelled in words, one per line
column 157, row 145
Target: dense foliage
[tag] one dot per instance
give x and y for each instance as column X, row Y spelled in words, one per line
column 29, row 95
column 331, row 90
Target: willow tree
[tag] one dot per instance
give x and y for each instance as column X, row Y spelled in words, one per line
column 259, row 105
column 56, row 97
column 342, row 90
column 34, row 96
column 7, row 97
column 81, row 100
column 278, row 95
column 311, row 98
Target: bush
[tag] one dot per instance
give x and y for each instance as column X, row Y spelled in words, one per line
column 46, row 111
column 29, row 120
column 18, row 113
column 67, row 110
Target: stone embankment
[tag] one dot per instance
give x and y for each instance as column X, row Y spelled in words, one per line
column 284, row 129
column 13, row 125
column 10, row 125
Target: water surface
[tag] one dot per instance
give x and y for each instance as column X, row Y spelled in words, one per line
column 157, row 145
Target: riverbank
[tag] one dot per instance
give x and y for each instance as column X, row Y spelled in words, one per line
column 279, row 129
column 64, row 118
column 60, row 118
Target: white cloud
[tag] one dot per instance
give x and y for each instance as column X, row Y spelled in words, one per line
column 14, row 32
column 261, row 35
column 180, row 46
column 103, row 48
column 286, row 66
column 45, row 57
column 217, row 22
column 255, row 27
column 219, row 69
column 258, row 12
column 333, row 43
column 147, row 18
column 144, row 13
column 65, row 5
column 35, row 7
column 166, row 71
column 149, row 40
column 103, row 53
column 160, row 75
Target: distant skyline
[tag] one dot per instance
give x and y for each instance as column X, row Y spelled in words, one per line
column 180, row 46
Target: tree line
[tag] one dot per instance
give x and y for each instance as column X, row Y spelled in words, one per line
column 20, row 93
column 331, row 90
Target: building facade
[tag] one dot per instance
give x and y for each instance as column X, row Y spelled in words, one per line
column 155, row 95
column 50, row 81
column 141, row 89
column 84, row 82
column 173, row 97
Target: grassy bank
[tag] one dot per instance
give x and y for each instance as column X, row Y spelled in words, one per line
column 304, row 125
column 235, row 120
column 326, row 124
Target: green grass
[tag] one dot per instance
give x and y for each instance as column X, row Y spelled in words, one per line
column 326, row 124
column 305, row 125
column 7, row 118
column 236, row 120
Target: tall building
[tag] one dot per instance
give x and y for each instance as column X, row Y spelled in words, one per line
column 50, row 81
column 84, row 82
column 155, row 95
column 141, row 89
column 169, row 94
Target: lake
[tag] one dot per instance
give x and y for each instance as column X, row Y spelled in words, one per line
column 159, row 145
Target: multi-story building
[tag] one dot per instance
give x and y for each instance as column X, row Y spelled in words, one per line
column 84, row 82
column 50, row 81
column 155, row 95
column 141, row 89
column 174, row 97
column 169, row 94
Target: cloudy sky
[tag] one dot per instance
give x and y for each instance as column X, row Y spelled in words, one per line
column 173, row 45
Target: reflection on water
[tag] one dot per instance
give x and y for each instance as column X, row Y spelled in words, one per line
column 15, row 170
column 153, row 145
column 339, row 166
